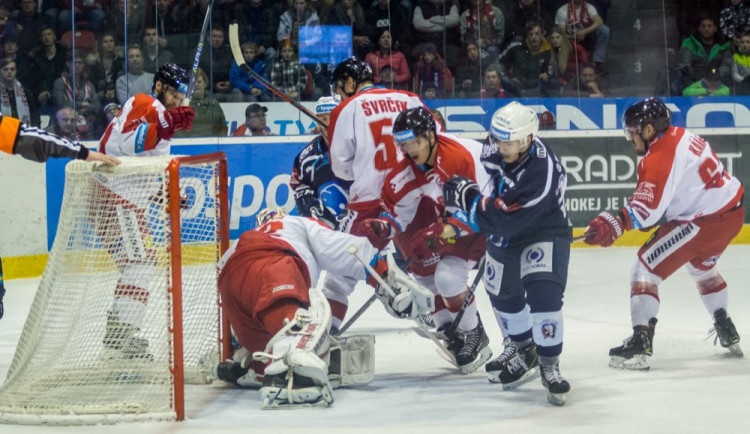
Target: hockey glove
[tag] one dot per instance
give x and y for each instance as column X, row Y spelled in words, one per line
column 378, row 231
column 307, row 202
column 603, row 230
column 182, row 117
column 428, row 242
column 460, row 192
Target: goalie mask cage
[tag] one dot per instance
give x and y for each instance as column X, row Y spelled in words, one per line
column 116, row 227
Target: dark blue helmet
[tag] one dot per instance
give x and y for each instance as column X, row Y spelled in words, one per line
column 173, row 76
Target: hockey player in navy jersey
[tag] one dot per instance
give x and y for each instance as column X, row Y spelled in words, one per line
column 528, row 251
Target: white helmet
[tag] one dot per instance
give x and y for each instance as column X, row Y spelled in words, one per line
column 514, row 122
column 268, row 214
column 326, row 104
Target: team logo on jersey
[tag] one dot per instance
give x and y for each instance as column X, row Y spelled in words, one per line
column 401, row 179
column 644, row 192
column 536, row 258
column 549, row 329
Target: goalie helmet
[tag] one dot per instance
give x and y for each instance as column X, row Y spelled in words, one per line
column 648, row 111
column 173, row 76
column 514, row 122
column 412, row 123
column 268, row 214
column 352, row 67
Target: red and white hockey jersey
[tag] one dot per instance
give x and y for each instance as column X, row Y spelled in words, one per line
column 320, row 247
column 134, row 131
column 362, row 148
column 681, row 179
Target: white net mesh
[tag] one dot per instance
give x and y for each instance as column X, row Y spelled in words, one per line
column 97, row 344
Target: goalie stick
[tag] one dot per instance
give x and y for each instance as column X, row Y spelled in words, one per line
column 234, row 44
column 198, row 50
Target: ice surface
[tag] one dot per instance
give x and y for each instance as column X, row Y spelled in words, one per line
column 693, row 386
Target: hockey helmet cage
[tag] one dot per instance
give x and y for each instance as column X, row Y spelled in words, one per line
column 648, row 111
column 412, row 123
column 326, row 104
column 352, row 67
column 172, row 75
column 268, row 214
column 513, row 122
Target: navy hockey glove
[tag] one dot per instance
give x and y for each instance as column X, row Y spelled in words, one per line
column 307, row 202
column 460, row 192
column 603, row 230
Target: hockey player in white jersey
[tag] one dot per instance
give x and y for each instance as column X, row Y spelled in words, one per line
column 265, row 281
column 702, row 206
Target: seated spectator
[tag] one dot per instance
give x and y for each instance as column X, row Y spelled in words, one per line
column 567, row 59
column 711, row 85
column 492, row 86
column 582, row 24
column 172, row 20
column 388, row 78
column 153, row 55
column 66, row 123
column 440, row 118
column 91, row 11
column 527, row 64
column 10, row 51
column 300, row 23
column 469, row 70
column 48, row 62
column 431, row 69
column 7, row 24
column 74, row 87
column 733, row 20
column 245, row 87
column 136, row 80
column 258, row 22
column 485, row 24
column 255, row 122
column 210, row 120
column 689, row 13
column 704, row 50
column 109, row 112
column 350, row 13
column 741, row 65
column 395, row 17
column 522, row 11
column 219, row 61
column 287, row 74
column 135, row 11
column 29, row 23
column 436, row 22
column 384, row 55
column 589, row 84
column 16, row 100
column 104, row 68
column 429, row 91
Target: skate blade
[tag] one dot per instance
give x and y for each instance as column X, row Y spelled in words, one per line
column 530, row 375
column 275, row 398
column 435, row 337
column 736, row 350
column 556, row 398
column 482, row 357
column 638, row 362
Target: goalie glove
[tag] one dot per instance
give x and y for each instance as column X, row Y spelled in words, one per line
column 603, row 230
column 378, row 231
column 308, row 204
column 460, row 192
column 428, row 242
column 179, row 118
column 401, row 295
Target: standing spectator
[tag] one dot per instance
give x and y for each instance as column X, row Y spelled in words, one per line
column 74, row 87
column 210, row 120
column 566, row 59
column 259, row 23
column 29, row 24
column 133, row 28
column 48, row 63
column 436, row 22
column 153, row 55
column 106, row 66
column 702, row 51
column 92, row 11
column 733, row 20
column 527, row 64
column 65, row 122
column 287, row 74
column 245, row 87
column 218, row 61
column 493, row 87
column 469, row 70
column 431, row 69
column 711, row 85
column 396, row 18
column 588, row 84
column 255, row 122
column 485, row 24
column 741, row 65
column 350, row 13
column 582, row 24
column 300, row 23
column 16, row 100
column 385, row 55
column 136, row 80
column 10, row 51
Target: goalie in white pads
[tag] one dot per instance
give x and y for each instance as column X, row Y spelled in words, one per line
column 265, row 280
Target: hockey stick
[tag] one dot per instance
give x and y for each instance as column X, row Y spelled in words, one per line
column 450, row 331
column 198, row 50
column 234, row 44
column 578, row 238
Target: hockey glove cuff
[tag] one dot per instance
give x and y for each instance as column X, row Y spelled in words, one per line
column 460, row 192
column 603, row 230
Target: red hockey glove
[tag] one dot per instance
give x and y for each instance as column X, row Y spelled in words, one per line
column 182, row 117
column 603, row 230
column 378, row 232
column 427, row 242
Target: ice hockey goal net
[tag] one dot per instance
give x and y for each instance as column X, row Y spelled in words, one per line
column 141, row 239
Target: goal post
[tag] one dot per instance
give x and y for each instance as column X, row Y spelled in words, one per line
column 127, row 310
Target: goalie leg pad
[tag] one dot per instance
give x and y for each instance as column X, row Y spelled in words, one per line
column 352, row 361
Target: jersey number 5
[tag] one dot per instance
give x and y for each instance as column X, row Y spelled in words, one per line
column 711, row 172
column 386, row 155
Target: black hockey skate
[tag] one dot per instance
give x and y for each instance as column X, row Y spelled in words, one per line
column 120, row 341
column 635, row 351
column 726, row 332
column 494, row 367
column 557, row 387
column 519, row 369
column 475, row 349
